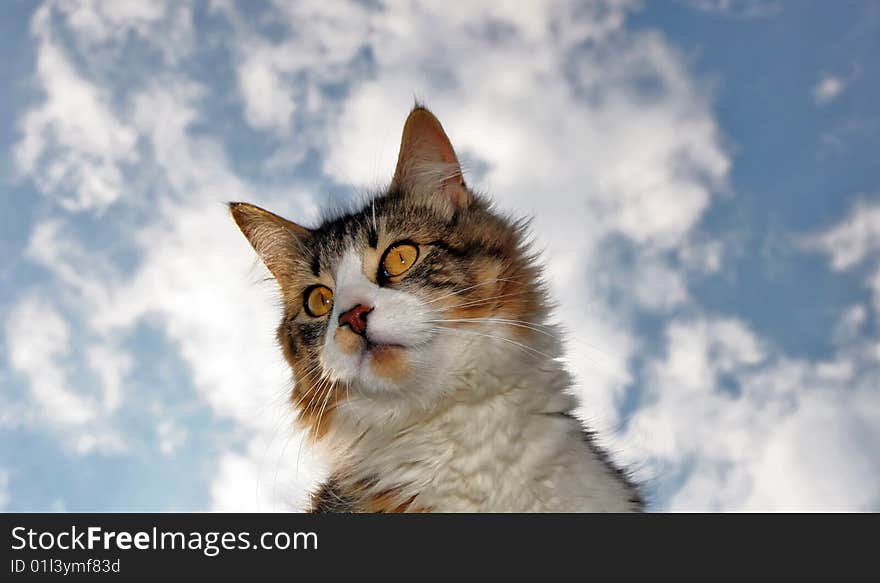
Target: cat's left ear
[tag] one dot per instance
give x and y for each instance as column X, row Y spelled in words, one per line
column 276, row 240
column 427, row 167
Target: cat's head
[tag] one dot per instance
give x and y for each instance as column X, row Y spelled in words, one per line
column 395, row 307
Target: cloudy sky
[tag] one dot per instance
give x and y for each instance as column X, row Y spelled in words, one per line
column 703, row 176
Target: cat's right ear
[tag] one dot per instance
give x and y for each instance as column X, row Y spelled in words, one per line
column 427, row 167
column 277, row 241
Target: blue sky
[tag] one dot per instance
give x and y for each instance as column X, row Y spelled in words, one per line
column 703, row 180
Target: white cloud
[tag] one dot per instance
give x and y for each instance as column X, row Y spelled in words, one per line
column 854, row 242
column 747, row 429
column 828, row 88
column 739, row 8
column 73, row 145
column 100, row 20
column 45, row 349
column 854, row 239
column 170, row 435
column 658, row 286
column 273, row 474
column 268, row 104
column 111, row 366
column 275, row 80
column 702, row 255
column 824, row 457
column 700, row 351
column 39, row 344
column 851, row 324
column 192, row 278
column 106, row 25
column 38, row 338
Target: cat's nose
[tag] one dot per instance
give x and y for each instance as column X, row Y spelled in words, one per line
column 356, row 318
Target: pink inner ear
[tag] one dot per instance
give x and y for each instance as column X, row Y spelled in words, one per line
column 427, row 164
column 274, row 238
column 424, row 140
column 435, row 139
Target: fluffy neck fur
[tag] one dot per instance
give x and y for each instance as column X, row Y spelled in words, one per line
column 504, row 441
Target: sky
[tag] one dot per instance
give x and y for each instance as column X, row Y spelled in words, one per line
column 703, row 180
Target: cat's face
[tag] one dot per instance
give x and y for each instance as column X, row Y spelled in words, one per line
column 393, row 303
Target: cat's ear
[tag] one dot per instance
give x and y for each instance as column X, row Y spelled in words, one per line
column 276, row 240
column 427, row 167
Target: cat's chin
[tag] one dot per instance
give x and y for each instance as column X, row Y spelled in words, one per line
column 387, row 362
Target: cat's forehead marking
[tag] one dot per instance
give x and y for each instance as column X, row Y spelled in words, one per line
column 373, row 234
column 378, row 223
column 332, row 238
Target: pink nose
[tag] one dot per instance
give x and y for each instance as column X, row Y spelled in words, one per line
column 356, row 318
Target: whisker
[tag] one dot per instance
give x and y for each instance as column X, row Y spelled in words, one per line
column 317, row 430
column 503, row 339
column 314, row 376
column 318, row 387
column 517, row 323
column 314, row 385
column 280, row 460
column 486, row 300
column 461, row 291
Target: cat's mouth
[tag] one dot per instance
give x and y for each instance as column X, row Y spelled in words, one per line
column 370, row 345
column 369, row 357
column 372, row 349
column 385, row 360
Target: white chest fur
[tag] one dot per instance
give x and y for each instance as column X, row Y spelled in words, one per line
column 510, row 448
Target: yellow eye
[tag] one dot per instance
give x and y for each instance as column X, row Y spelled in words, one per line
column 399, row 258
column 318, row 300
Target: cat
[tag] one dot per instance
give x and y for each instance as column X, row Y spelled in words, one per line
column 423, row 365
